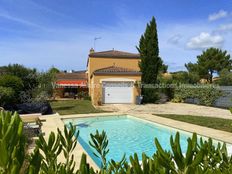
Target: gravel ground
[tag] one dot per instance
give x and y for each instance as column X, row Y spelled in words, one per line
column 169, row 108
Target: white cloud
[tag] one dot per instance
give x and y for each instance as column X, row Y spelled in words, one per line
column 175, row 39
column 225, row 28
column 218, row 15
column 205, row 40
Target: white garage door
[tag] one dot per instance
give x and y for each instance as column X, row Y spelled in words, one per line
column 117, row 92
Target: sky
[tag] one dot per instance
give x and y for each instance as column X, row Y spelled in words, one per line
column 60, row 33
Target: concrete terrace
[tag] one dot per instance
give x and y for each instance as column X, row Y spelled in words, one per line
column 55, row 121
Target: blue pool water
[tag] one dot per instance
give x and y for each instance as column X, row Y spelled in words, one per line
column 126, row 135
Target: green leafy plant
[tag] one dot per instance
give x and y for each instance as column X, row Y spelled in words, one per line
column 201, row 157
column 52, row 148
column 100, row 142
column 12, row 143
column 206, row 94
column 69, row 142
column 6, row 95
column 14, row 83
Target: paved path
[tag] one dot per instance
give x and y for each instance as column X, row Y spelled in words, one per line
column 50, row 125
column 170, row 108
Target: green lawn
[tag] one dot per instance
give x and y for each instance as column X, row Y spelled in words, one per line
column 66, row 107
column 215, row 123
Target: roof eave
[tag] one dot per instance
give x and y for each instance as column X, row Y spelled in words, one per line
column 117, row 73
column 116, row 57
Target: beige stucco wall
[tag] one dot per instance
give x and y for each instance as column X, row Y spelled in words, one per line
column 97, row 89
column 98, row 63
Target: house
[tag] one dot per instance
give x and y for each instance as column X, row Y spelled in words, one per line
column 113, row 76
column 69, row 84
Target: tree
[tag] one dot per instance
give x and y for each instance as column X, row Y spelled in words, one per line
column 211, row 61
column 28, row 76
column 148, row 48
column 53, row 70
column 151, row 63
column 46, row 82
column 225, row 77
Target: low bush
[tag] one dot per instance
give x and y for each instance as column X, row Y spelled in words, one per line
column 201, row 156
column 206, row 94
column 6, row 95
column 87, row 98
column 82, row 95
column 13, row 82
column 225, row 78
column 185, row 77
column 150, row 95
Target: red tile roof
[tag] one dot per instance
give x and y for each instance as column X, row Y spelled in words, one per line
column 114, row 54
column 116, row 70
column 72, row 76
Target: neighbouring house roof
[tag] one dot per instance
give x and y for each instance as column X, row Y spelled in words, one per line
column 72, row 76
column 117, row 70
column 78, row 78
column 114, row 54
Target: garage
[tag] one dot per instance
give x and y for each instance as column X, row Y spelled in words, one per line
column 117, row 92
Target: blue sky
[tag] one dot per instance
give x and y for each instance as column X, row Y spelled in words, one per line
column 45, row 33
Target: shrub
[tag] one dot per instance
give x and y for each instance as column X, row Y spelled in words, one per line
column 27, row 75
column 167, row 89
column 6, row 95
column 225, row 78
column 150, row 95
column 12, row 82
column 170, row 81
column 201, row 156
column 82, row 94
column 206, row 94
column 87, row 98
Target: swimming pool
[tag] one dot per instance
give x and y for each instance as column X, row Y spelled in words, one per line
column 126, row 135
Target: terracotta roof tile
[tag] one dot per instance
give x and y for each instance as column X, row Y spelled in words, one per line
column 114, row 54
column 72, row 76
column 116, row 70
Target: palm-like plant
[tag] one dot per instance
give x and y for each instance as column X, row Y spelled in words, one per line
column 100, row 143
column 202, row 157
column 12, row 143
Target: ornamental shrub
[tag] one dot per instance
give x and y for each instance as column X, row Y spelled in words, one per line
column 206, row 94
column 150, row 95
column 225, row 78
column 201, row 156
column 13, row 82
column 6, row 95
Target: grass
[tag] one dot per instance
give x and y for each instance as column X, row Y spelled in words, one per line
column 66, row 107
column 215, row 123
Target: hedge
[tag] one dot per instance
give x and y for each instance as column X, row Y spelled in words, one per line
column 206, row 94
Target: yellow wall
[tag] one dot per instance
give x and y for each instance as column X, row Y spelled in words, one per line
column 97, row 89
column 99, row 63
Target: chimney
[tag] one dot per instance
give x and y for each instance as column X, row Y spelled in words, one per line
column 91, row 51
